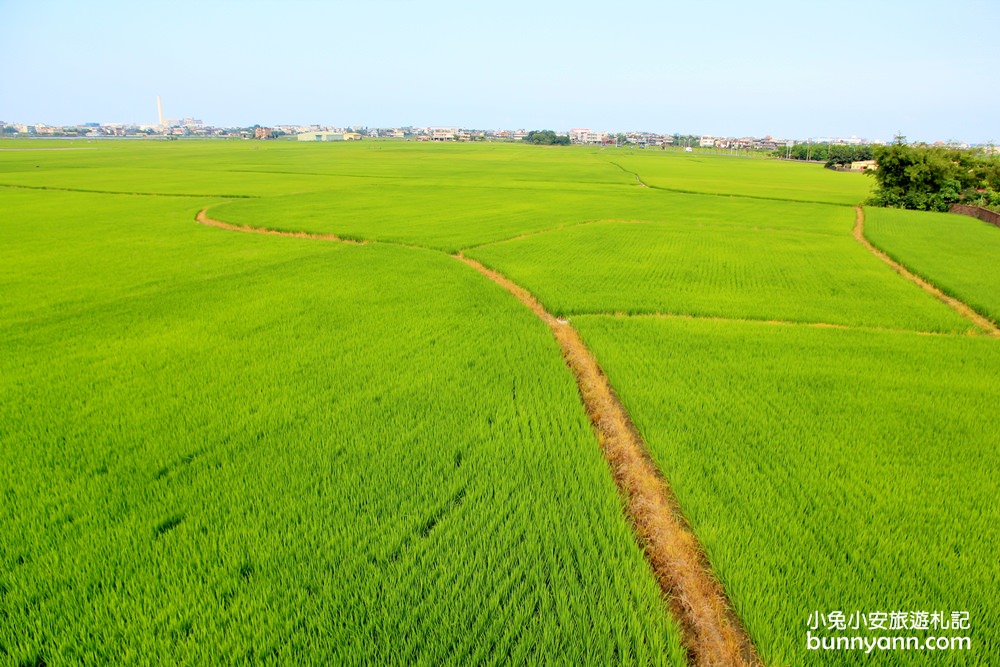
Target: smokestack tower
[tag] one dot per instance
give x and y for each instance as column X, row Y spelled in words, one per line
column 159, row 109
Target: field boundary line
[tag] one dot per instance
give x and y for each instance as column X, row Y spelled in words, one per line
column 316, row 173
column 721, row 194
column 550, row 230
column 711, row 632
column 682, row 225
column 629, row 171
column 768, row 230
column 203, row 219
column 750, row 320
column 965, row 310
column 742, row 196
column 52, row 148
column 122, row 192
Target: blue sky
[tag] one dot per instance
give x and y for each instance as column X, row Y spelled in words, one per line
column 810, row 68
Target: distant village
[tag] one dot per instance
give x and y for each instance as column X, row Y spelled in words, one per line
column 193, row 128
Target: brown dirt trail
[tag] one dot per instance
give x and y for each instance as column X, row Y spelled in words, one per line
column 963, row 309
column 711, row 632
column 203, row 218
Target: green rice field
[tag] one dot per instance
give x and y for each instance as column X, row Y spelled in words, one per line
column 232, row 448
column 819, row 470
column 673, row 265
column 958, row 253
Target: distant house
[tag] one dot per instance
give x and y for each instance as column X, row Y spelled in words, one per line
column 862, row 165
column 321, row 136
column 583, row 135
column 443, row 133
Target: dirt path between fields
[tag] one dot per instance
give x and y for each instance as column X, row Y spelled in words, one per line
column 203, row 218
column 638, row 180
column 744, row 320
column 711, row 632
column 963, row 309
column 51, row 148
column 560, row 228
column 120, row 192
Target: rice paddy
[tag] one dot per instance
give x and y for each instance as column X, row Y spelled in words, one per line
column 956, row 252
column 229, row 448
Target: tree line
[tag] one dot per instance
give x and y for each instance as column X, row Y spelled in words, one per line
column 932, row 178
column 546, row 138
column 834, row 155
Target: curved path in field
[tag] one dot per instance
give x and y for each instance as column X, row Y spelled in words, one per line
column 638, row 179
column 963, row 309
column 203, row 218
column 710, row 630
column 119, row 192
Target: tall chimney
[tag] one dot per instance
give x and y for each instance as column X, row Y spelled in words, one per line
column 159, row 109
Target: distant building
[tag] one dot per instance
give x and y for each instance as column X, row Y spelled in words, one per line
column 863, row 165
column 643, row 139
column 707, row 142
column 769, row 143
column 443, row 133
column 583, row 135
column 321, row 136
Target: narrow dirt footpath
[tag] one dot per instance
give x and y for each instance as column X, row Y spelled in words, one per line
column 638, row 180
column 985, row 325
column 203, row 218
column 711, row 632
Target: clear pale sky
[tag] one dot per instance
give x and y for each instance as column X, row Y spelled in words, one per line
column 803, row 68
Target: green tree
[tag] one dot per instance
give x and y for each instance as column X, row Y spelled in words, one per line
column 546, row 138
column 916, row 177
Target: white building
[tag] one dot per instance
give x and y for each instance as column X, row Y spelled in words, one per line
column 583, row 135
column 321, row 136
column 443, row 133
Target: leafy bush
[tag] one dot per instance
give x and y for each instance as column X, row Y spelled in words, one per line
column 927, row 178
column 547, row 138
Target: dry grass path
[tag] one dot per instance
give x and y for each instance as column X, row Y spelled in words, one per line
column 711, row 632
column 963, row 309
column 203, row 218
